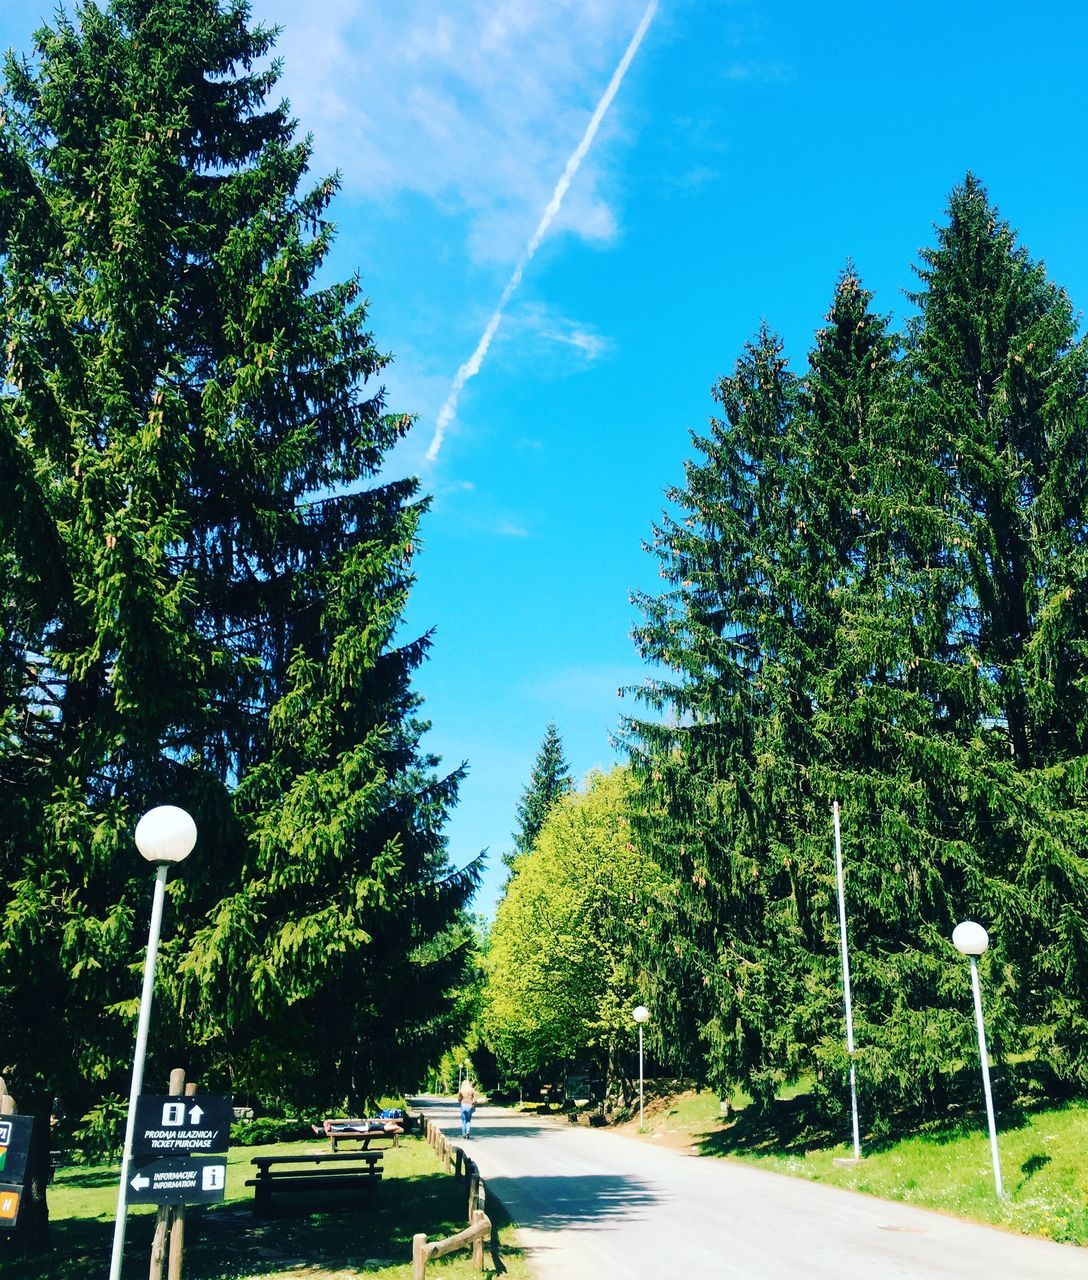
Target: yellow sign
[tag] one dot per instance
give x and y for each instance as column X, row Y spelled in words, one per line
column 9, row 1205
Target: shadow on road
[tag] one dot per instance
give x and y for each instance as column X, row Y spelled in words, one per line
column 559, row 1202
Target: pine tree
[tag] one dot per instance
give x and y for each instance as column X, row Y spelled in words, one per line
column 714, row 769
column 548, row 783
column 201, row 581
column 878, row 604
column 874, row 596
column 1000, row 396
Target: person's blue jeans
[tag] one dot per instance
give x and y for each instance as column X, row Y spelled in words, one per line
column 466, row 1118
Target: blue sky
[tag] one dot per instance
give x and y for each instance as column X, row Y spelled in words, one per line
column 751, row 149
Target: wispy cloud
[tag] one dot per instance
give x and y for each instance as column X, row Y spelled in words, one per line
column 471, row 367
column 470, row 103
column 577, row 337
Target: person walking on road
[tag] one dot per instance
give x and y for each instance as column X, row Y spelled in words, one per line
column 466, row 1096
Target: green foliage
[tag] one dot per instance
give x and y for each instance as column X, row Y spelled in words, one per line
column 864, row 570
column 252, row 1133
column 560, row 977
column 548, row 783
column 101, row 1132
column 201, row 581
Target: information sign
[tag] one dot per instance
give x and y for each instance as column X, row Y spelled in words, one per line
column 171, row 1125
column 178, row 1180
column 15, row 1134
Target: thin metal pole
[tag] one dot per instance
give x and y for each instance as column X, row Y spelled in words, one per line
column 846, row 982
column 142, row 1025
column 641, row 1123
column 985, row 1059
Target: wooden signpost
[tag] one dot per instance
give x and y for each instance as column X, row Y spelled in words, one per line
column 176, row 1162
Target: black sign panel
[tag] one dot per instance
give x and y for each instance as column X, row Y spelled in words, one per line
column 179, row 1180
column 10, row 1198
column 15, row 1134
column 169, row 1125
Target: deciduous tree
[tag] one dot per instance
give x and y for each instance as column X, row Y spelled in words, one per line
column 560, row 976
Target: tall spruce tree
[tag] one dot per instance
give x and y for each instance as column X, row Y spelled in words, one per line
column 878, row 602
column 716, row 781
column 201, row 583
column 999, row 396
column 874, row 597
column 548, row 783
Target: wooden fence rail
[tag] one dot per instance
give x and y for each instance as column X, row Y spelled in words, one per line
column 471, row 1238
column 455, row 1162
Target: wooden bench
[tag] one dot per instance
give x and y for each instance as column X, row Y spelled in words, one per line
column 333, row 1171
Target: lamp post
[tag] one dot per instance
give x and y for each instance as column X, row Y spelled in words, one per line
column 846, row 981
column 640, row 1015
column 164, row 835
column 971, row 940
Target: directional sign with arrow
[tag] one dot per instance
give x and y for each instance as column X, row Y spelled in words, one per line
column 171, row 1125
column 179, row 1180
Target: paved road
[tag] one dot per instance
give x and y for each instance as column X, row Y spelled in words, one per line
column 593, row 1205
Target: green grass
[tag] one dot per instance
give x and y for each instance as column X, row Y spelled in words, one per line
column 348, row 1237
column 1042, row 1164
column 944, row 1164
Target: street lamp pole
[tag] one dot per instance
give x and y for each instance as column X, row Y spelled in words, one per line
column 640, row 1015
column 846, row 982
column 971, row 940
column 164, row 835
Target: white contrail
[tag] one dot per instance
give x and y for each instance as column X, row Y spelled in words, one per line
column 471, row 367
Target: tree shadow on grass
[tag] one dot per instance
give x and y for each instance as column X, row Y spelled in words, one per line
column 799, row 1124
column 90, row 1178
column 333, row 1231
column 791, row 1124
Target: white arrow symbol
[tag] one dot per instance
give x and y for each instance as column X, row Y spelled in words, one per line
column 140, row 1183
column 195, row 1115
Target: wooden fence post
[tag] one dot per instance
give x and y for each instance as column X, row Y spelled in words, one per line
column 478, row 1243
column 419, row 1258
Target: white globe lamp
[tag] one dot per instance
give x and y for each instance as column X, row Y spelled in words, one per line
column 972, row 940
column 165, row 834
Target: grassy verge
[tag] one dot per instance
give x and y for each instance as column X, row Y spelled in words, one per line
column 945, row 1165
column 347, row 1237
column 1042, row 1165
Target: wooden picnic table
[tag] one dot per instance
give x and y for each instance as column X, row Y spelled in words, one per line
column 334, row 1171
column 361, row 1131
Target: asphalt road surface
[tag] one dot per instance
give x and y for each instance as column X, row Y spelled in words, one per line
column 593, row 1205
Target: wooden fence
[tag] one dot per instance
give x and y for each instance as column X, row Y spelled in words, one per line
column 455, row 1162
column 461, row 1166
column 472, row 1237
